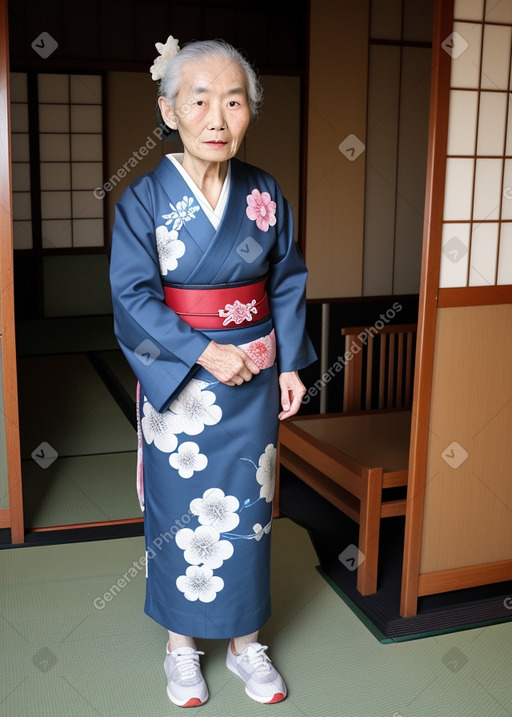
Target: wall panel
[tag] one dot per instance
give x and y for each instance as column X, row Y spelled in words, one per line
column 382, row 150
column 336, row 142
column 468, row 502
column 411, row 169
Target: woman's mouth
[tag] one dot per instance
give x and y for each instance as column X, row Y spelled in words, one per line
column 216, row 143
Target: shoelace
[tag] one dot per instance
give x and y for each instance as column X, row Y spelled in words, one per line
column 258, row 659
column 188, row 665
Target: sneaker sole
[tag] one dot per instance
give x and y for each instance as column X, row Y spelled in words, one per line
column 192, row 702
column 277, row 697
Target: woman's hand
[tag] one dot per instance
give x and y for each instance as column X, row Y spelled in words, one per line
column 228, row 363
column 292, row 391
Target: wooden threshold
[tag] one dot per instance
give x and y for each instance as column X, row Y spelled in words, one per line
column 48, row 528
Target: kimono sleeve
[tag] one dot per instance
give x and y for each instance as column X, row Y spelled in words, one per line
column 161, row 349
column 286, row 288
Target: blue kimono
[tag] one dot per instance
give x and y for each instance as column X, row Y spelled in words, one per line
column 208, row 450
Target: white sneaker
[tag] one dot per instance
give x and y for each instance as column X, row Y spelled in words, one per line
column 185, row 683
column 263, row 682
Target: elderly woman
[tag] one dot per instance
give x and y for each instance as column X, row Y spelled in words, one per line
column 209, row 306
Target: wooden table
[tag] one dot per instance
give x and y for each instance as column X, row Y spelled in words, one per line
column 349, row 460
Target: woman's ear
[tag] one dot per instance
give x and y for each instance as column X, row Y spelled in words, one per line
column 167, row 114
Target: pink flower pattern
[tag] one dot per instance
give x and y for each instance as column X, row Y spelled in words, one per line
column 262, row 209
column 262, row 350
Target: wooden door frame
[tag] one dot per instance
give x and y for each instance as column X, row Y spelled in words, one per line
column 428, row 304
column 13, row 515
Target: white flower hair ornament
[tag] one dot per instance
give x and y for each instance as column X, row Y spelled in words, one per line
column 167, row 51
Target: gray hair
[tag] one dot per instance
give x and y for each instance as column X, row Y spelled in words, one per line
column 203, row 50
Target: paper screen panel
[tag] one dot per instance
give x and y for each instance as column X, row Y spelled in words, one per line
column 21, row 205
column 462, row 122
column 87, row 232
column 53, row 118
column 478, row 184
column 55, row 205
column 55, row 175
column 506, row 197
column 85, row 89
column 484, row 247
column 86, row 148
column 53, row 88
column 492, row 120
column 57, row 233
column 20, row 162
column 487, row 201
column 85, row 205
column 500, row 11
column 505, row 255
column 496, row 57
column 454, row 255
column 71, row 153
column 21, row 177
column 465, row 70
column 458, row 189
column 468, row 10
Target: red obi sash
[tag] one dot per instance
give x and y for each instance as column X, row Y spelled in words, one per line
column 218, row 308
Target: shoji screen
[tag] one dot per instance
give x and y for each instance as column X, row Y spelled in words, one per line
column 477, row 219
column 57, row 160
column 458, row 526
column 20, row 157
column 71, row 156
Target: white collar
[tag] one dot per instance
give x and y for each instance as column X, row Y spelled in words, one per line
column 214, row 215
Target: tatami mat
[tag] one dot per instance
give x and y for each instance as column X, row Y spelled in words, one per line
column 68, row 334
column 83, row 489
column 64, row 403
column 120, row 368
column 63, row 656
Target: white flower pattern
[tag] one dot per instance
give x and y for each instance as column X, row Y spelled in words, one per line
column 260, row 531
column 266, row 473
column 156, row 428
column 216, row 510
column 203, row 545
column 184, row 211
column 199, row 583
column 194, row 409
column 218, row 515
column 238, row 312
column 169, row 249
column 188, row 459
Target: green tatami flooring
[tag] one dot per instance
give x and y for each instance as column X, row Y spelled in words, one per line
column 68, row 412
column 62, row 656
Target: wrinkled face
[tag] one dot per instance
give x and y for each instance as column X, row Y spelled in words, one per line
column 211, row 111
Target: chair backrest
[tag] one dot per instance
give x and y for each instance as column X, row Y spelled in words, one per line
column 379, row 367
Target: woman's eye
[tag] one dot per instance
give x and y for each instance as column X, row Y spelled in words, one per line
column 200, row 103
column 233, row 103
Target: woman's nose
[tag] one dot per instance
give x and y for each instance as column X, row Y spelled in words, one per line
column 216, row 118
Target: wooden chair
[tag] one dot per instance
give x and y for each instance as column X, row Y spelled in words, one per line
column 352, row 458
column 379, row 372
